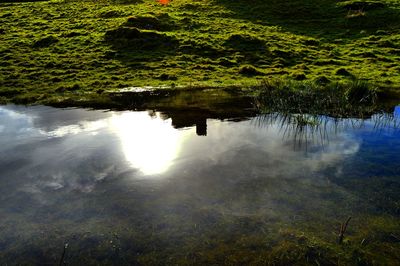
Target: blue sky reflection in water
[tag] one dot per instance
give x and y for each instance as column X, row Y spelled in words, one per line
column 85, row 176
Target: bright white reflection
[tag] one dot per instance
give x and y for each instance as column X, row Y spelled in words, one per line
column 91, row 126
column 148, row 143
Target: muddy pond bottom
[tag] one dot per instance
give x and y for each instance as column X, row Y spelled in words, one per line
column 151, row 188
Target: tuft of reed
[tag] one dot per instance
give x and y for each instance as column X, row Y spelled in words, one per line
column 355, row 98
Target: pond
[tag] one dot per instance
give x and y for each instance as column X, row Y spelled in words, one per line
column 158, row 188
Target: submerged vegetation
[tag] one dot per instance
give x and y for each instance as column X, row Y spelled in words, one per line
column 75, row 50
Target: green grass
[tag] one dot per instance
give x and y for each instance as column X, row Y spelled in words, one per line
column 63, row 50
column 351, row 99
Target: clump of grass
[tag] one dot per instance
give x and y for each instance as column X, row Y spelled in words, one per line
column 74, row 87
column 354, row 98
column 45, row 42
column 343, row 72
column 148, row 22
column 361, row 5
column 355, row 13
column 143, row 32
column 244, row 42
column 322, row 80
column 165, row 76
column 301, row 250
column 135, row 38
column 303, row 120
column 299, row 76
column 111, row 14
column 127, row 1
column 312, row 42
column 249, row 70
column 360, row 92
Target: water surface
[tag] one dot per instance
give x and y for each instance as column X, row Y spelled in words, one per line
column 157, row 188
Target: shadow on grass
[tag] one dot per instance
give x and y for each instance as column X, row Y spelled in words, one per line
column 317, row 18
column 142, row 39
column 21, row 1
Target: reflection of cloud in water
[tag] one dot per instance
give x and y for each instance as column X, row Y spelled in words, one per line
column 87, row 149
column 50, row 119
column 77, row 162
column 78, row 153
column 14, row 124
column 99, row 170
column 66, row 156
column 26, row 123
column 85, row 126
column 263, row 150
column 250, row 171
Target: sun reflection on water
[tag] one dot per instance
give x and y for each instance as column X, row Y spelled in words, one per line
column 148, row 143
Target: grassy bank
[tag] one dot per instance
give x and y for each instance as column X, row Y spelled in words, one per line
column 71, row 50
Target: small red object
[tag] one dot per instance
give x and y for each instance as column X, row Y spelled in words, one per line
column 164, row 2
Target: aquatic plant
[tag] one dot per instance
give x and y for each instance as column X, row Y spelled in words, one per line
column 343, row 228
column 337, row 99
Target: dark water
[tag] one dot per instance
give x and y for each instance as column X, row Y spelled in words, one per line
column 130, row 188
